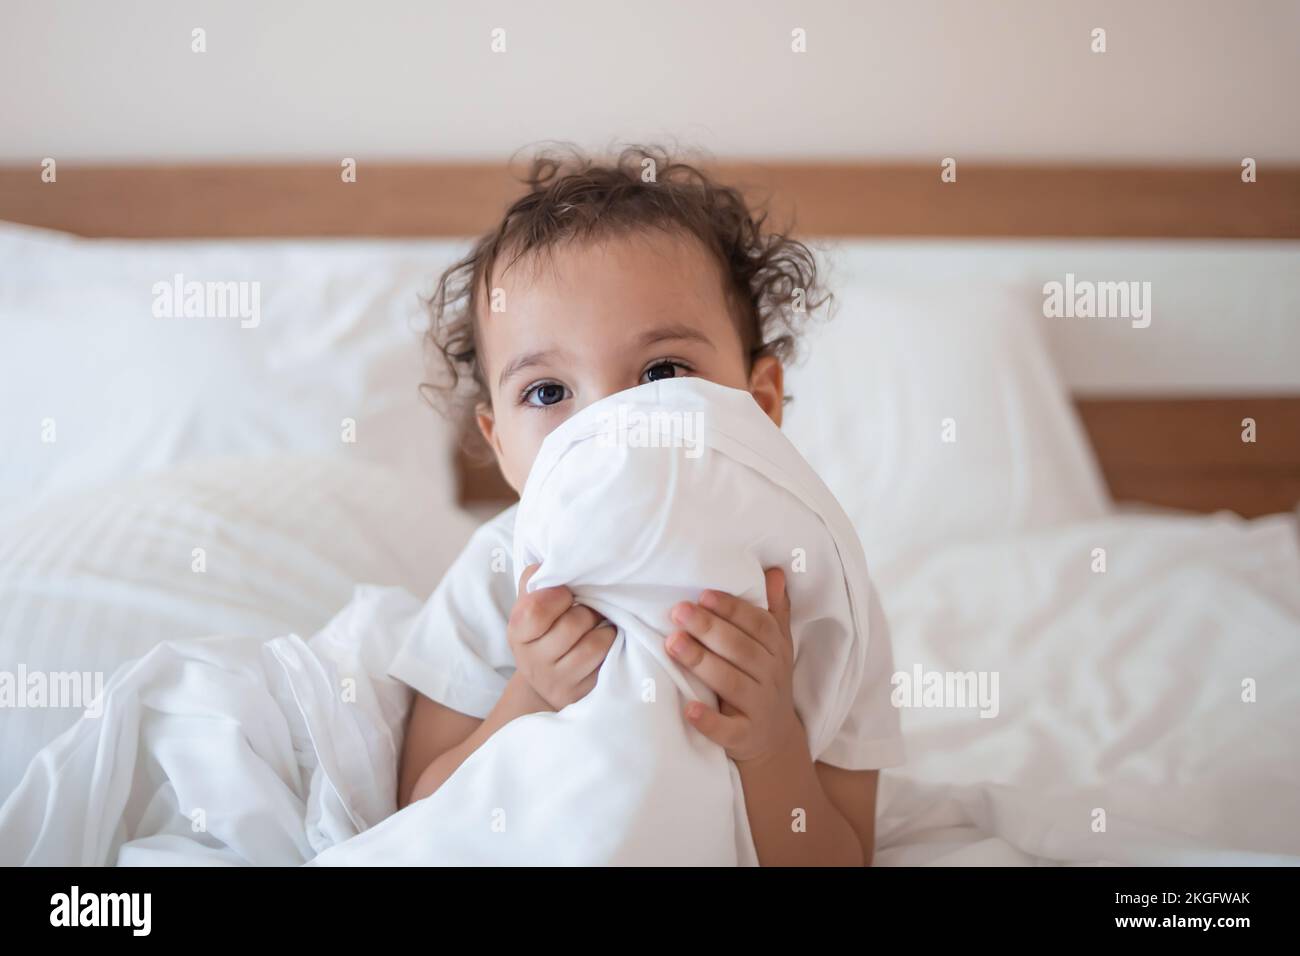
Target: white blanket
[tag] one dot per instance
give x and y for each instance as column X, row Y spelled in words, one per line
column 637, row 502
column 225, row 751
column 1149, row 709
column 1120, row 690
column 231, row 751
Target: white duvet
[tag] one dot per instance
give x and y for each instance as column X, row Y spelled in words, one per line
column 1123, row 691
column 233, row 750
column 225, row 751
column 637, row 502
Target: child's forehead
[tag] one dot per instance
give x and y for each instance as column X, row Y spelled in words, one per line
column 591, row 297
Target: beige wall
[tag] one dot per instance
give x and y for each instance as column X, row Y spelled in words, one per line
column 1180, row 81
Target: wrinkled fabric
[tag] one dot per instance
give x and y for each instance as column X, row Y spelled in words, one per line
column 236, row 751
column 637, row 502
column 225, row 751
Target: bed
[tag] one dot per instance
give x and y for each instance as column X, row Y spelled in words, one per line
column 1097, row 514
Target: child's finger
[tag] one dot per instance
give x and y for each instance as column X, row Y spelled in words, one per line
column 721, row 676
column 571, row 643
column 749, row 618
column 567, row 630
column 723, row 638
column 536, row 612
column 778, row 600
column 726, row 732
column 524, row 578
column 587, row 685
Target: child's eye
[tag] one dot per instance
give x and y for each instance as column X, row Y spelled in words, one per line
column 544, row 394
column 662, row 370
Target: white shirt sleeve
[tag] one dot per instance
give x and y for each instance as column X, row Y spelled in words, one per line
column 457, row 652
column 871, row 737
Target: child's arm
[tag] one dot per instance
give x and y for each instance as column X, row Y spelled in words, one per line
column 801, row 813
column 853, row 792
column 558, row 647
column 439, row 739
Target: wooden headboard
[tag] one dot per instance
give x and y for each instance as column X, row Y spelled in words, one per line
column 1181, row 452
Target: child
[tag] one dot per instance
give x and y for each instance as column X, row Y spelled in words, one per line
column 601, row 278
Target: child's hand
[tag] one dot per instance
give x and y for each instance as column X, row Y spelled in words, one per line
column 558, row 645
column 746, row 656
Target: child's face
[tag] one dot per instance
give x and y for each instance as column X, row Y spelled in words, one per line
column 585, row 320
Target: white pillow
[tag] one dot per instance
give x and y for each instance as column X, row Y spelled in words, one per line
column 934, row 413
column 242, row 547
column 94, row 386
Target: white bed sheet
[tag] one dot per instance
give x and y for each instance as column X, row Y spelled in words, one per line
column 1120, row 691
column 250, row 547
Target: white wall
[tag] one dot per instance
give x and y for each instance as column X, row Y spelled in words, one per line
column 1180, row 81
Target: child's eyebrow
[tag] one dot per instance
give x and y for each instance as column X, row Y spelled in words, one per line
column 665, row 333
column 527, row 360
column 676, row 332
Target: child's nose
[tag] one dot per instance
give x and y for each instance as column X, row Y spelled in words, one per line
column 604, row 389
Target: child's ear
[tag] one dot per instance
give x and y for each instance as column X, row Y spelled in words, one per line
column 767, row 385
column 487, row 427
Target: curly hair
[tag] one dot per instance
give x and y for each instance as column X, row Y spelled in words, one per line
column 771, row 279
